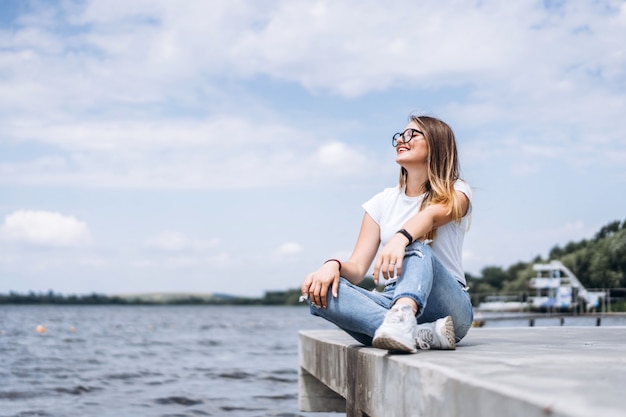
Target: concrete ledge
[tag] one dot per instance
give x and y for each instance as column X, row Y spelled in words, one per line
column 525, row 372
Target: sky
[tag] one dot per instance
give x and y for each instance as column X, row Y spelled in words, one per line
column 227, row 146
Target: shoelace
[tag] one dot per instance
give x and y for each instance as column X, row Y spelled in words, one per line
column 424, row 338
column 397, row 317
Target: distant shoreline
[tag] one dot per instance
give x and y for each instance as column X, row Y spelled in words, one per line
column 289, row 297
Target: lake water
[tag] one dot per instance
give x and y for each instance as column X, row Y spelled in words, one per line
column 161, row 361
column 151, row 361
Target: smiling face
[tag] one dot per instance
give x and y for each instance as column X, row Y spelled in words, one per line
column 434, row 150
column 412, row 152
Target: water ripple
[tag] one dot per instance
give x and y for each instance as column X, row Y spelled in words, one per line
column 77, row 390
column 178, row 401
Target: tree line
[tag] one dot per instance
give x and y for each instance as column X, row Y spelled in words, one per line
column 289, row 297
column 599, row 262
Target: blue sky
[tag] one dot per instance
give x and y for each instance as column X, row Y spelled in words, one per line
column 227, row 146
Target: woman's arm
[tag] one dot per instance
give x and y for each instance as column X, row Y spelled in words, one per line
column 316, row 284
column 389, row 260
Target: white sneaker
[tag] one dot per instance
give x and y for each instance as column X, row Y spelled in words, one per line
column 398, row 331
column 437, row 335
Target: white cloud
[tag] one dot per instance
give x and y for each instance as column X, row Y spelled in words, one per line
column 208, row 154
column 97, row 96
column 44, row 228
column 315, row 47
column 289, row 248
column 171, row 50
column 178, row 242
column 145, row 54
column 338, row 158
column 181, row 262
column 220, row 260
column 333, row 153
column 93, row 261
column 143, row 263
column 203, row 262
column 468, row 255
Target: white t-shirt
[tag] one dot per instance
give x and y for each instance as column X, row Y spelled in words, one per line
column 392, row 208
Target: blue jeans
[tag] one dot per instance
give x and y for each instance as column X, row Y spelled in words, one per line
column 424, row 279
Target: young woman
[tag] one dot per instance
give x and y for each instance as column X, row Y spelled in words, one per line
column 421, row 224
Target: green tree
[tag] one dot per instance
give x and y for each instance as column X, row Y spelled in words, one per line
column 494, row 276
column 608, row 230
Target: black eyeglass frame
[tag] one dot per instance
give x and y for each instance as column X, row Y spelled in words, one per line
column 405, row 140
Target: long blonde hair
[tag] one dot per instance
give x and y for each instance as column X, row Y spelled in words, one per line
column 443, row 167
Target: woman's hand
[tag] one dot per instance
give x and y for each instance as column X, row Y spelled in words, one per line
column 390, row 257
column 317, row 283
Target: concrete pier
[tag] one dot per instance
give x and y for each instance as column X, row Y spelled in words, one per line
column 524, row 372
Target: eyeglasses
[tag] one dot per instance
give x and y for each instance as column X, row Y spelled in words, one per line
column 406, row 136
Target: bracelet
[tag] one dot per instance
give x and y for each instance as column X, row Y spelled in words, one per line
column 335, row 260
column 407, row 235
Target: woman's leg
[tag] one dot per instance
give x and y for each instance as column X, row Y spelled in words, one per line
column 356, row 310
column 416, row 280
column 424, row 279
column 437, row 293
column 448, row 298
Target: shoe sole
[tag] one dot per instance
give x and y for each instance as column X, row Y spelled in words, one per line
column 392, row 344
column 445, row 333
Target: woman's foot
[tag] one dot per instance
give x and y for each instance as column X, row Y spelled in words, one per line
column 400, row 332
column 437, row 335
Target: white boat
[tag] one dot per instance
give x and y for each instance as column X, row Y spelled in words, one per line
column 557, row 288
